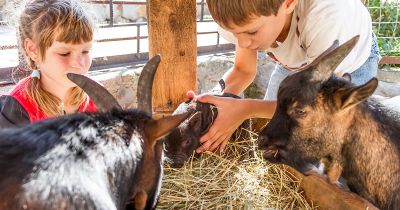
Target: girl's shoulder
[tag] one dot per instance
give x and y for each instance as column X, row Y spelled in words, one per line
column 20, row 94
column 88, row 106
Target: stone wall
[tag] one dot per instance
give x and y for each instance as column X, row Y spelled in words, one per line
column 122, row 82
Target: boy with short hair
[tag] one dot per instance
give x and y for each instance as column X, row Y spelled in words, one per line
column 293, row 33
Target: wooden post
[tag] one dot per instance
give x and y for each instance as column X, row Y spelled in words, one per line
column 172, row 34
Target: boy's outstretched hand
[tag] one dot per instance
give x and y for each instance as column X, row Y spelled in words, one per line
column 229, row 118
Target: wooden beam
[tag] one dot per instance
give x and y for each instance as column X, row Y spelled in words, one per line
column 318, row 191
column 390, row 60
column 172, row 33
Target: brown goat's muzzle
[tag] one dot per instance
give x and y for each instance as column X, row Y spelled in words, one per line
column 272, row 153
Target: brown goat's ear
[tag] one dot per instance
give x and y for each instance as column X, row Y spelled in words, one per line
column 156, row 129
column 349, row 97
column 330, row 59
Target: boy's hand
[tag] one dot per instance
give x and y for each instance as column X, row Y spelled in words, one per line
column 228, row 120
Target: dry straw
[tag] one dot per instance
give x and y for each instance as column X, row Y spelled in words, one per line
column 237, row 179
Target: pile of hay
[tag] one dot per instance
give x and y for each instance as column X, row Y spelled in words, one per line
column 237, row 179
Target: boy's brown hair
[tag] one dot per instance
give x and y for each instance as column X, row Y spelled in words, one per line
column 239, row 12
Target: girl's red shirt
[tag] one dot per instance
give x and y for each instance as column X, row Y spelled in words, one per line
column 30, row 106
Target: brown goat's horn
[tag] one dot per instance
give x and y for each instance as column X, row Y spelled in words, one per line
column 103, row 99
column 145, row 84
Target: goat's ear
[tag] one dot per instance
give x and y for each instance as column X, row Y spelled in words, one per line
column 330, row 59
column 195, row 121
column 156, row 129
column 349, row 97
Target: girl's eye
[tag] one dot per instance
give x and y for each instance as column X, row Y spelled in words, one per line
column 252, row 33
column 86, row 52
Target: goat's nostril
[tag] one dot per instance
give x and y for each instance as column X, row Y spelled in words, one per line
column 177, row 165
column 262, row 138
column 262, row 142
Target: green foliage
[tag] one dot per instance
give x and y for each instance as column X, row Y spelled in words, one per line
column 385, row 17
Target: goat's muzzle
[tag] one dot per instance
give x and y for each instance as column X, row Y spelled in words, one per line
column 176, row 161
column 272, row 152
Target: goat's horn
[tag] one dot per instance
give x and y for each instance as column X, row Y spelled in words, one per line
column 145, row 84
column 103, row 99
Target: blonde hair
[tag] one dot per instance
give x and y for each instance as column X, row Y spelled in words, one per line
column 240, row 12
column 46, row 21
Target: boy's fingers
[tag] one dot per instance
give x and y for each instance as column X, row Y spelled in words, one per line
column 217, row 143
column 207, row 99
column 190, row 94
column 214, row 142
column 223, row 145
column 200, row 149
column 209, row 135
column 208, row 143
column 204, row 147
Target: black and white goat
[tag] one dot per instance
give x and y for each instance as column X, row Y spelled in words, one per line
column 106, row 160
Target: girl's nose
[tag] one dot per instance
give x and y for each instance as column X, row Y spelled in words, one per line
column 77, row 62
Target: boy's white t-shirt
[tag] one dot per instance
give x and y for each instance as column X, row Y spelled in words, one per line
column 315, row 25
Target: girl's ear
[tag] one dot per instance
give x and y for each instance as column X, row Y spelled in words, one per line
column 31, row 49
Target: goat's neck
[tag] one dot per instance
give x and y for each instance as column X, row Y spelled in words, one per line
column 370, row 152
column 121, row 173
column 149, row 171
column 370, row 123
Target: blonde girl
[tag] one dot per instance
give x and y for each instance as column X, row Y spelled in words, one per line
column 57, row 39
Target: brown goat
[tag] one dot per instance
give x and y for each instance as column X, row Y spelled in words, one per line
column 323, row 117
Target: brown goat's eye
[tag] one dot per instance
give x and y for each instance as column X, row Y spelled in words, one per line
column 299, row 113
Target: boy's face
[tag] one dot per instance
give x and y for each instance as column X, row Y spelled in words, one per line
column 62, row 58
column 262, row 31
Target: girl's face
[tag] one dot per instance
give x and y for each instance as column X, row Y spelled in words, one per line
column 62, row 58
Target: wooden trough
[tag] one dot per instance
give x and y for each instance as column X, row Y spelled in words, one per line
column 318, row 191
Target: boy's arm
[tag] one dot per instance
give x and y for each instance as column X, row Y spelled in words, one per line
column 243, row 72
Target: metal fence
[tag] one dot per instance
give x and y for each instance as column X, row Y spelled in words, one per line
column 137, row 38
column 385, row 16
column 384, row 13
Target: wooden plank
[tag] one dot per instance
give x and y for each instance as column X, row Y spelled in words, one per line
column 390, row 60
column 318, row 191
column 172, row 33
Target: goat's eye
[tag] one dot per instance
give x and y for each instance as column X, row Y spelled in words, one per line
column 299, row 113
column 186, row 142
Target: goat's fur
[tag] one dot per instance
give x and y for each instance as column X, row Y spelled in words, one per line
column 85, row 161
